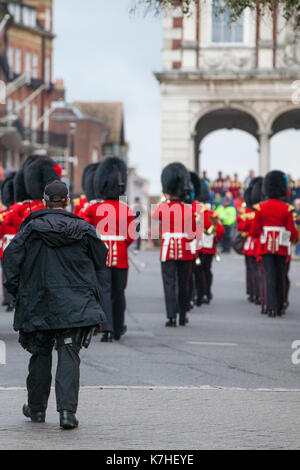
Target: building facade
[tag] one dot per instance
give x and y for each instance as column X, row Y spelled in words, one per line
column 26, row 68
column 222, row 75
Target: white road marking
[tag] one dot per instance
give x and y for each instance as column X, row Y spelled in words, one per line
column 206, row 343
column 158, row 387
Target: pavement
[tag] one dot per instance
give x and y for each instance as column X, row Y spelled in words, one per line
column 191, row 387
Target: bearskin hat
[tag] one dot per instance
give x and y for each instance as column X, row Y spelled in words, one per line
column 88, row 180
column 275, row 185
column 37, row 174
column 247, row 197
column 257, row 191
column 196, row 184
column 20, row 191
column 175, row 180
column 110, row 179
column 204, row 191
column 7, row 190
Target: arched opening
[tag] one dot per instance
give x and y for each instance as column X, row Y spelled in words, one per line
column 225, row 118
column 231, row 152
column 285, row 143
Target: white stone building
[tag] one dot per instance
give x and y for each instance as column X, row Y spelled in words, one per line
column 219, row 75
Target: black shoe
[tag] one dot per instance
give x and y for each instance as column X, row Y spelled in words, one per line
column 199, row 302
column 206, row 300
column 272, row 313
column 264, row 310
column 35, row 416
column 257, row 301
column 124, row 330
column 107, row 337
column 67, row 420
column 10, row 308
column 183, row 320
column 250, row 299
column 171, row 322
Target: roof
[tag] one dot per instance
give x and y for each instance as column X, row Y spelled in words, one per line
column 111, row 113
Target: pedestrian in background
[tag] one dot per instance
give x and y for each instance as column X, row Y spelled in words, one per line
column 227, row 216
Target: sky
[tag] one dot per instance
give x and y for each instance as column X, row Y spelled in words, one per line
column 105, row 53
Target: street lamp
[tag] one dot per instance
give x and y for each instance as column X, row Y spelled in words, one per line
column 73, row 127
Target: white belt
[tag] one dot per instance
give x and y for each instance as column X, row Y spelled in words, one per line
column 112, row 238
column 208, row 240
column 284, row 236
column 167, row 236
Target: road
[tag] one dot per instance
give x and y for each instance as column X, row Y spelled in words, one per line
column 226, row 345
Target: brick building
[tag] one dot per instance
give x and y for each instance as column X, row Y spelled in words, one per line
column 96, row 129
column 88, row 135
column 26, row 68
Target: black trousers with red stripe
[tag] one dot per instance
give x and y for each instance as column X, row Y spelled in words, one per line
column 204, row 275
column 176, row 277
column 275, row 267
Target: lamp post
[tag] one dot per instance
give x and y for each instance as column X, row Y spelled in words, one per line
column 73, row 127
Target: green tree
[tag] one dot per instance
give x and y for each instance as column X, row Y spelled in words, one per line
column 290, row 8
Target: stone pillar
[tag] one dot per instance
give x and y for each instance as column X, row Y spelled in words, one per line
column 264, row 153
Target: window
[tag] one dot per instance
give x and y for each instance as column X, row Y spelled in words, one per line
column 35, row 65
column 34, row 115
column 28, row 66
column 95, row 157
column 223, row 30
column 18, row 62
column 47, row 71
column 9, row 106
column 29, row 17
column 17, row 107
column 48, row 19
column 10, row 57
column 27, row 116
column 17, row 14
column 15, row 11
column 46, row 119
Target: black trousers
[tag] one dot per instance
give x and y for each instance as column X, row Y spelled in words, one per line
column 67, row 372
column 275, row 276
column 112, row 285
column 226, row 240
column 105, row 290
column 176, row 281
column 204, row 275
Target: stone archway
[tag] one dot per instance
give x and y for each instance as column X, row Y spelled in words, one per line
column 223, row 118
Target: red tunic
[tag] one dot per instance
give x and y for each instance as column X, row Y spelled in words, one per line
column 274, row 224
column 244, row 225
column 177, row 226
column 79, row 204
column 7, row 229
column 208, row 241
column 115, row 225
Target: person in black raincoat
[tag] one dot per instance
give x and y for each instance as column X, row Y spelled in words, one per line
column 50, row 269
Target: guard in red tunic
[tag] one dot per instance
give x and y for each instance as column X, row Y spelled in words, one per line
column 7, row 230
column 212, row 233
column 244, row 222
column 274, row 224
column 115, row 225
column 258, row 268
column 178, row 231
